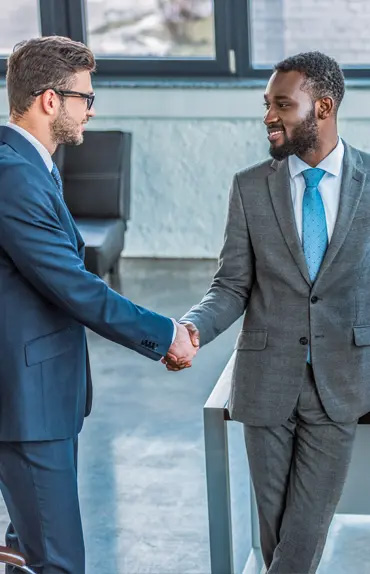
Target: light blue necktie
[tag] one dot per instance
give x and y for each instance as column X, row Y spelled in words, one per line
column 56, row 177
column 314, row 230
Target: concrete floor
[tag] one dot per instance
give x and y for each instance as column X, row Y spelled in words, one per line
column 142, row 473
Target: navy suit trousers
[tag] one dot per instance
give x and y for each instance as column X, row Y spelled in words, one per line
column 38, row 481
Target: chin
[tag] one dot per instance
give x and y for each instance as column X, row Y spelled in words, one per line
column 75, row 140
column 278, row 153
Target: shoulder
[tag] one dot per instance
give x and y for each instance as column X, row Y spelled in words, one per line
column 357, row 156
column 257, row 171
column 23, row 184
column 365, row 158
column 16, row 171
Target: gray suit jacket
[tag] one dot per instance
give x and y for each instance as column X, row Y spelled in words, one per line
column 263, row 273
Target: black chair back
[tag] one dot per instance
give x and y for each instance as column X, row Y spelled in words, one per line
column 96, row 175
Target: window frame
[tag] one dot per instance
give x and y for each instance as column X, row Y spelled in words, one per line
column 243, row 49
column 233, row 41
column 62, row 17
column 174, row 66
column 69, row 18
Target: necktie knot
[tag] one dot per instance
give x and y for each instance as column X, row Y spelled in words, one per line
column 313, row 176
column 56, row 176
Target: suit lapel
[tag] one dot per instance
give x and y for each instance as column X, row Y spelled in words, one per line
column 353, row 180
column 80, row 241
column 350, row 194
column 79, row 238
column 279, row 186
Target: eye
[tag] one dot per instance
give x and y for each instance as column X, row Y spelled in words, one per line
column 266, row 105
column 283, row 105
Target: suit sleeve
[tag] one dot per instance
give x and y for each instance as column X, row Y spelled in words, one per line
column 32, row 236
column 228, row 296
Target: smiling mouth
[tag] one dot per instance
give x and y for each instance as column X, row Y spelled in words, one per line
column 274, row 135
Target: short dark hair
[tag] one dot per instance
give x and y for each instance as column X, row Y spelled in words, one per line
column 324, row 76
column 40, row 63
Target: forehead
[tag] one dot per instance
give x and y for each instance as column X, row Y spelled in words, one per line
column 82, row 81
column 288, row 84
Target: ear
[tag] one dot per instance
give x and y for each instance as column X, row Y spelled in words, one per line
column 325, row 108
column 50, row 102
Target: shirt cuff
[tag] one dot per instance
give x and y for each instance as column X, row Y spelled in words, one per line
column 174, row 330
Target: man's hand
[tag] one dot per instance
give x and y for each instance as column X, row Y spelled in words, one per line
column 175, row 362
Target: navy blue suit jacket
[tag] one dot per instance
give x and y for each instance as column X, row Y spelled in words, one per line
column 46, row 298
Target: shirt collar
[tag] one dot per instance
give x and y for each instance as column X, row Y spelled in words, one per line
column 35, row 142
column 332, row 163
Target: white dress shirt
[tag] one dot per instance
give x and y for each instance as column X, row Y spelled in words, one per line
column 36, row 143
column 49, row 164
column 329, row 186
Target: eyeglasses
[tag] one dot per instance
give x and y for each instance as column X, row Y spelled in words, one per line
column 69, row 94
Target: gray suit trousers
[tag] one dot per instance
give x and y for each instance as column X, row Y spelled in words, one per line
column 298, row 471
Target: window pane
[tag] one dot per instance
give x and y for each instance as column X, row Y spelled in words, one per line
column 151, row 28
column 339, row 28
column 19, row 21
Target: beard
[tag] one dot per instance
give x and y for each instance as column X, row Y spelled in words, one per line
column 305, row 138
column 65, row 130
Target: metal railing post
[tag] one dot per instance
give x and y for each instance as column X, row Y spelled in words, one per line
column 217, row 469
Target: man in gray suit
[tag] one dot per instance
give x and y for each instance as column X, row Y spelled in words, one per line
column 296, row 260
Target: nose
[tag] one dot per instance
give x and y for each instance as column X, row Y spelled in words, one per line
column 271, row 116
column 91, row 113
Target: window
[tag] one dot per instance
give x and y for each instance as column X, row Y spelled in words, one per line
column 151, row 28
column 281, row 28
column 196, row 38
column 158, row 36
column 19, row 21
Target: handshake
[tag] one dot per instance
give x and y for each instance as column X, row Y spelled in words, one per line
column 183, row 349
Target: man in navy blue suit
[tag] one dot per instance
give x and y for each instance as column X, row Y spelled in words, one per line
column 46, row 298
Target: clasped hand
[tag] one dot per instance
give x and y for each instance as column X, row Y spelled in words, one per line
column 183, row 349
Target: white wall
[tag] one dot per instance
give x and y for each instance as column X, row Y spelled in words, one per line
column 187, row 144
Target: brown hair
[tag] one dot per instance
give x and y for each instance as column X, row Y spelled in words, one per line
column 41, row 63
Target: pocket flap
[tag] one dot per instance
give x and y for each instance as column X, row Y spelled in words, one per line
column 362, row 335
column 48, row 346
column 252, row 340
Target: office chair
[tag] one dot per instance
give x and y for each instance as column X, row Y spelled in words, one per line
column 13, row 558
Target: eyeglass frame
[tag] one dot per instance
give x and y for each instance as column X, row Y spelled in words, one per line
column 69, row 94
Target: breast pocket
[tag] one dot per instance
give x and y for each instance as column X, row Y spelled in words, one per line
column 362, row 335
column 251, row 340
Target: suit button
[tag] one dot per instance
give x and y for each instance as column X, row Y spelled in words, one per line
column 303, row 340
column 314, row 299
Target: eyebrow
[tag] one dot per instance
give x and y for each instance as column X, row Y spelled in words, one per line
column 278, row 97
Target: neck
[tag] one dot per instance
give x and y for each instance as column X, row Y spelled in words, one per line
column 31, row 127
column 326, row 146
